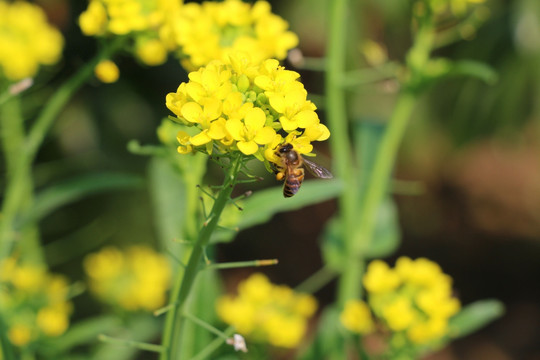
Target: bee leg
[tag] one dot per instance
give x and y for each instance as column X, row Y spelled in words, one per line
column 280, row 176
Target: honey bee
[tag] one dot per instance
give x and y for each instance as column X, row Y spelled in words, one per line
column 292, row 171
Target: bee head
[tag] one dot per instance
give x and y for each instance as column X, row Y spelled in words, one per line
column 285, row 148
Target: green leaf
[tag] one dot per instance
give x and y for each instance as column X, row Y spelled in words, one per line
column 475, row 316
column 333, row 247
column 168, row 195
column 262, row 205
column 329, row 340
column 387, row 235
column 441, row 68
column 140, row 327
column 82, row 332
column 75, row 189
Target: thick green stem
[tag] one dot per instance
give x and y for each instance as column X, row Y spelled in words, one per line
column 380, row 176
column 19, row 176
column 349, row 285
column 186, row 278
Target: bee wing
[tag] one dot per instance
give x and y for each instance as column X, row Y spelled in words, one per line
column 317, row 170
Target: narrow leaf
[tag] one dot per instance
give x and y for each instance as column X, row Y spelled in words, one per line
column 262, row 205
column 75, row 189
column 475, row 316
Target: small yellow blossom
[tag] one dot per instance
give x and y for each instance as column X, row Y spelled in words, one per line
column 151, row 52
column 356, row 317
column 148, row 23
column 19, row 334
column 380, row 278
column 107, row 71
column 267, row 312
column 212, row 30
column 399, row 314
column 243, row 106
column 52, row 320
column 34, row 302
column 27, row 40
column 135, row 279
column 413, row 301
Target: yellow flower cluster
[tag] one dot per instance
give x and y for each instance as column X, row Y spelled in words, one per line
column 33, row 302
column 414, row 298
column 136, row 279
column 266, row 312
column 211, row 30
column 26, row 40
column 147, row 21
column 239, row 105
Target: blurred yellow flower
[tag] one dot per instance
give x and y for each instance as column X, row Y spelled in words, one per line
column 147, row 22
column 413, row 300
column 135, row 279
column 356, row 317
column 107, row 71
column 266, row 312
column 33, row 302
column 27, row 40
column 211, row 30
column 247, row 107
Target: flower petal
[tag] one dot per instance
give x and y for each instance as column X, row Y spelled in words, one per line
column 287, row 124
column 217, row 129
column 201, row 138
column 247, row 147
column 265, row 136
column 235, row 127
column 255, row 119
column 192, row 112
column 306, row 119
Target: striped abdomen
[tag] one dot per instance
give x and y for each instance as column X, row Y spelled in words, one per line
column 292, row 182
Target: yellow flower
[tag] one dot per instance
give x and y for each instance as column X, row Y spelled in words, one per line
column 27, row 40
column 146, row 22
column 267, row 312
column 151, row 52
column 53, row 320
column 250, row 133
column 34, row 302
column 242, row 106
column 213, row 30
column 431, row 329
column 356, row 317
column 107, row 71
column 379, row 278
column 413, row 299
column 135, row 279
column 399, row 314
column 20, row 334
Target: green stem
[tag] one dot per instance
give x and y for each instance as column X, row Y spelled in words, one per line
column 19, row 185
column 379, row 178
column 186, row 278
column 63, row 95
column 19, row 188
column 340, row 144
column 131, row 343
column 7, row 350
column 206, row 326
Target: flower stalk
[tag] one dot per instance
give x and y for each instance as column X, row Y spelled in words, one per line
column 21, row 149
column 186, row 277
